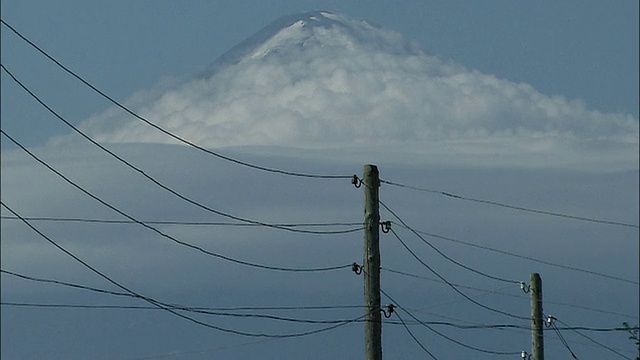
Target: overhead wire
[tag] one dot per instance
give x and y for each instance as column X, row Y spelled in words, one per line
column 167, row 307
column 234, row 308
column 414, row 337
column 483, row 292
column 161, row 233
column 448, row 258
column 582, row 307
column 265, row 308
column 462, row 324
column 524, row 257
column 443, row 254
column 192, row 223
column 563, row 340
column 208, row 311
column 512, row 207
column 143, row 173
column 164, row 131
column 608, row 312
column 204, row 310
column 404, row 273
column 224, row 311
column 67, row 284
column 394, row 271
column 396, row 304
column 453, row 286
column 198, row 310
column 594, row 341
column 427, row 325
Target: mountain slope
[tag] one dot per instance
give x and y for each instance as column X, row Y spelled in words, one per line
column 320, row 80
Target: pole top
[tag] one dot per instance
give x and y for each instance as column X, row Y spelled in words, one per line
column 370, row 168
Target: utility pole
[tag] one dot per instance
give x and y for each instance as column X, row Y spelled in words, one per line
column 537, row 339
column 371, row 265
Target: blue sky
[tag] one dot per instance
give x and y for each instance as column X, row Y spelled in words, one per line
column 529, row 104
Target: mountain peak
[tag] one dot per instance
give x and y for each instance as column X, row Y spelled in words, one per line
column 323, row 29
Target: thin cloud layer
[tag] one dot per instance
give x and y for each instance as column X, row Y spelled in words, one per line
column 319, row 80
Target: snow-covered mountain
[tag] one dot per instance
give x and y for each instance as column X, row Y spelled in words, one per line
column 315, row 28
column 321, row 80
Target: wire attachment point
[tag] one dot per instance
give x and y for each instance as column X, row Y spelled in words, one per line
column 390, row 310
column 550, row 321
column 356, row 181
column 525, row 355
column 356, row 268
column 526, row 288
column 386, row 226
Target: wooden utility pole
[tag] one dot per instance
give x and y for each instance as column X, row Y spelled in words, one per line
column 537, row 339
column 371, row 265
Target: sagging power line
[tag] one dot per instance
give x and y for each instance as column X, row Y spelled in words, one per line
column 519, row 256
column 159, row 232
column 168, row 307
column 164, row 131
column 139, row 170
column 513, row 207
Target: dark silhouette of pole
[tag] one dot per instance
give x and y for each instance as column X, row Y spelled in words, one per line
column 537, row 326
column 371, row 264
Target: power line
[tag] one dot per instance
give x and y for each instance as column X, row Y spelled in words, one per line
column 218, row 312
column 167, row 236
column 395, row 303
column 167, row 307
column 190, row 223
column 394, row 271
column 223, row 312
column 512, row 207
column 403, row 273
column 609, row 312
column 484, row 291
column 414, row 337
column 234, row 308
column 260, row 308
column 197, row 223
column 172, row 308
column 199, row 310
column 63, row 283
column 562, row 339
column 453, row 286
column 503, row 252
column 520, row 327
column 595, row 342
column 443, row 254
column 144, row 174
column 460, row 323
column 208, row 310
column 166, row 132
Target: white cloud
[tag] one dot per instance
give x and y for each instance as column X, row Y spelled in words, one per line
column 338, row 82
